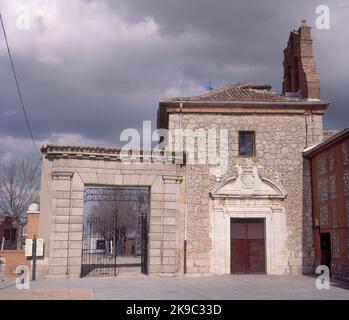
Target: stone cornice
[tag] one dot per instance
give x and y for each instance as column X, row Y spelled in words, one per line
column 62, row 174
column 112, row 154
column 172, row 178
column 315, row 107
column 300, row 104
column 246, row 196
column 239, row 107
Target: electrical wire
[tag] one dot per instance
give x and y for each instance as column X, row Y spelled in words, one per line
column 26, row 118
column 46, row 182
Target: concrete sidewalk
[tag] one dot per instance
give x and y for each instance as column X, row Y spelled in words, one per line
column 55, row 294
column 140, row 287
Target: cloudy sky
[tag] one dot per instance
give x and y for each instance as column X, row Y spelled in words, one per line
column 90, row 68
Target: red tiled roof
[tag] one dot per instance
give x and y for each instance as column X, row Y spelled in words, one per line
column 239, row 92
column 309, row 152
column 329, row 133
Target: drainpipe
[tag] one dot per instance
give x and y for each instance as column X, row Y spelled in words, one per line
column 69, row 218
column 306, row 129
column 186, row 201
column 185, row 222
column 316, row 231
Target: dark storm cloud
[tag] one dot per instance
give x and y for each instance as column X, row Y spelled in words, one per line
column 93, row 70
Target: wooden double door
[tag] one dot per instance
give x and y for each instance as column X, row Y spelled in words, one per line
column 247, row 245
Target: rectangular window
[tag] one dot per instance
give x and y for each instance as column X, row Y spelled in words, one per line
column 247, row 143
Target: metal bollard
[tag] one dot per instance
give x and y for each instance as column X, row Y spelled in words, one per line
column 34, row 259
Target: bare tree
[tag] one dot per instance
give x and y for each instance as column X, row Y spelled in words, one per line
column 126, row 212
column 19, row 185
column 127, row 217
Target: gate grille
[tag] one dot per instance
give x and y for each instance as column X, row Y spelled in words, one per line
column 144, row 264
column 110, row 243
column 99, row 247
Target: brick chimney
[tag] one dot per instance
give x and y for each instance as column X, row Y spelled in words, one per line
column 301, row 77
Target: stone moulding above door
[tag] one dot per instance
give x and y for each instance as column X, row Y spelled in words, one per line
column 248, row 183
column 172, row 178
column 62, row 174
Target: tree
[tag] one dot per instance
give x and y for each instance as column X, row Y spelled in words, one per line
column 19, row 185
column 127, row 218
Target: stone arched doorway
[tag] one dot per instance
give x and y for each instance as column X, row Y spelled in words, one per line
column 250, row 196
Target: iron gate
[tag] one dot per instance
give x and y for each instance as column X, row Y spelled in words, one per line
column 103, row 237
column 144, row 243
column 100, row 238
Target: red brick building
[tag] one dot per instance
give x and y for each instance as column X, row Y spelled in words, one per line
column 329, row 162
column 8, row 232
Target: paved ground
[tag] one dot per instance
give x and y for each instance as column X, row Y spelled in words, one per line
column 128, row 265
column 139, row 287
column 54, row 294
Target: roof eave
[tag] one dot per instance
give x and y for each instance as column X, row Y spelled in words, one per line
column 189, row 103
column 326, row 144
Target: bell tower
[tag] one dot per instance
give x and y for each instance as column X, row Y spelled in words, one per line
column 301, row 78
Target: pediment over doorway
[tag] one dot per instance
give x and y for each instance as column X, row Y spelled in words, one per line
column 248, row 183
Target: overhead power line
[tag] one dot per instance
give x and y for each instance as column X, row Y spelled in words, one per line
column 26, row 118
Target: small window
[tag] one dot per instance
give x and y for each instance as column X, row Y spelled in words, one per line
column 247, row 143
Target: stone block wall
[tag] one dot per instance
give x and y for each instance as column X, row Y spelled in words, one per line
column 62, row 209
column 280, row 140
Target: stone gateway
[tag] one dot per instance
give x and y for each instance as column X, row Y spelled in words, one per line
column 255, row 217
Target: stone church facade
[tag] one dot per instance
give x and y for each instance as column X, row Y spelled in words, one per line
column 200, row 223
